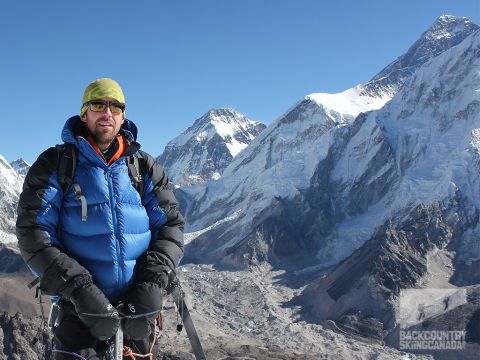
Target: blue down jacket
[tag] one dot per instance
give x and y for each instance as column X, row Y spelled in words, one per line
column 121, row 225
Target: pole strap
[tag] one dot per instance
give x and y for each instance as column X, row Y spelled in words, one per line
column 179, row 299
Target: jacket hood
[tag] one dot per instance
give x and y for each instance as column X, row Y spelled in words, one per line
column 74, row 132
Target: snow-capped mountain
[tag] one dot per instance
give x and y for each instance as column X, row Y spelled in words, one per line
column 375, row 190
column 10, row 188
column 20, row 166
column 205, row 149
column 280, row 162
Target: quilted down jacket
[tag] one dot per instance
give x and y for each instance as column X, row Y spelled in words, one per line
column 126, row 235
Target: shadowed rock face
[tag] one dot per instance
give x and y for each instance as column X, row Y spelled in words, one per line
column 361, row 293
column 394, row 259
column 290, row 231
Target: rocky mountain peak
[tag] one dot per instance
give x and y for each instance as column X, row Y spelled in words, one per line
column 20, row 166
column 446, row 32
column 223, row 122
column 448, row 26
column 205, row 149
column 213, row 116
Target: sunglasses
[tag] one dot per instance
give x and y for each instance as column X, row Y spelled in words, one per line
column 100, row 106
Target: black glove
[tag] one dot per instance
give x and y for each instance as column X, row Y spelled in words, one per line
column 95, row 311
column 142, row 304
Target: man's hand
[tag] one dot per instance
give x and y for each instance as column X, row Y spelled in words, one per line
column 142, row 304
column 96, row 312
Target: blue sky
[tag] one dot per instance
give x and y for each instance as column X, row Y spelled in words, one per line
column 175, row 60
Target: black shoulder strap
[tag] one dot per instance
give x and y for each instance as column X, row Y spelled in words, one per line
column 67, row 163
column 136, row 170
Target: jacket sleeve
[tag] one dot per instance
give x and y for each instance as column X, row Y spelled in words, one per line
column 38, row 215
column 166, row 224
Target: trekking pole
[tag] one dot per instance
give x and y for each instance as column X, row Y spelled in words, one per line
column 115, row 349
column 178, row 295
column 118, row 345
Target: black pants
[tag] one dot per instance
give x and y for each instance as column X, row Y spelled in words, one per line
column 72, row 336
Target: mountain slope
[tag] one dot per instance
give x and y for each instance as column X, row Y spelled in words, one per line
column 10, row 188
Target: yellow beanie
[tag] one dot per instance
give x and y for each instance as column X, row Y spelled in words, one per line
column 101, row 89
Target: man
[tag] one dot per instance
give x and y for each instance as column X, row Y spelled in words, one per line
column 101, row 243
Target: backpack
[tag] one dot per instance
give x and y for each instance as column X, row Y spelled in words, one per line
column 67, row 163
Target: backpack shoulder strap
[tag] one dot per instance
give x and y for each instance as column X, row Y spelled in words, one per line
column 136, row 170
column 67, row 163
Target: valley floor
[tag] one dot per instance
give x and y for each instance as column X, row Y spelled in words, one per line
column 236, row 311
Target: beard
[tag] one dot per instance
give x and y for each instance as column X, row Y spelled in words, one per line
column 103, row 136
column 103, row 140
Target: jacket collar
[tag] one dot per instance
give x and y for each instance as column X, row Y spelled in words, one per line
column 74, row 132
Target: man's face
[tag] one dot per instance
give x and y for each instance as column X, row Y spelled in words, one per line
column 103, row 126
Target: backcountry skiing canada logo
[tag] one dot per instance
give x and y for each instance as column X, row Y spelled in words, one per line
column 418, row 305
column 432, row 340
